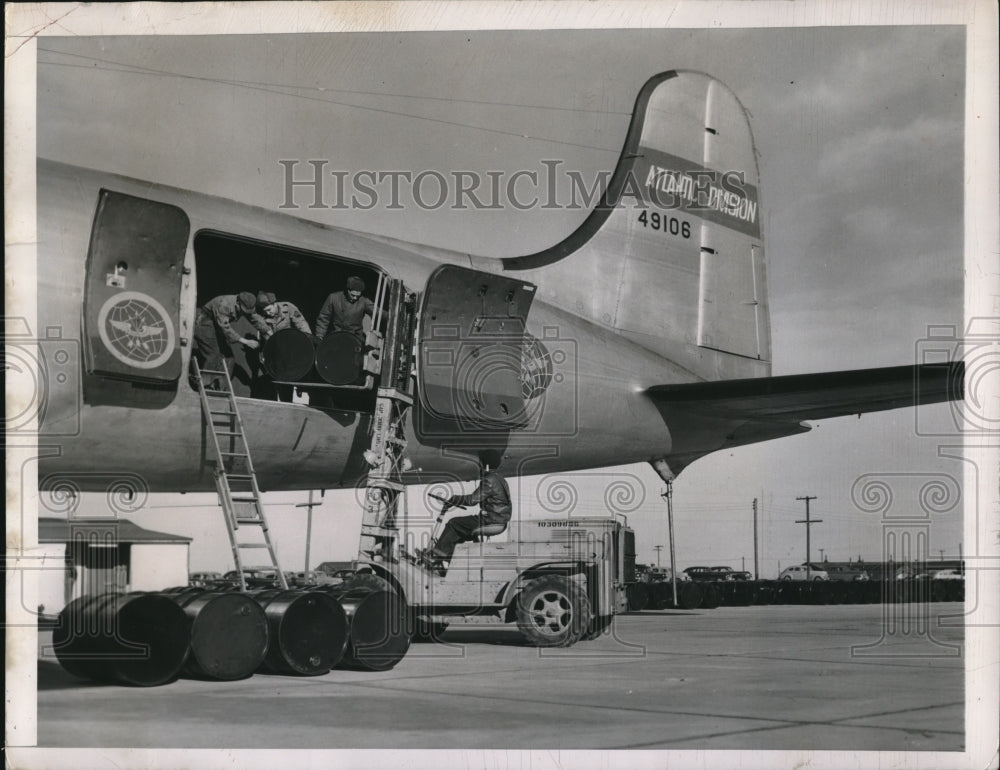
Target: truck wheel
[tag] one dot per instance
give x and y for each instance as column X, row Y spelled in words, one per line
column 552, row 611
column 597, row 627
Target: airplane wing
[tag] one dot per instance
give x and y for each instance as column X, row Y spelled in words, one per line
column 797, row 397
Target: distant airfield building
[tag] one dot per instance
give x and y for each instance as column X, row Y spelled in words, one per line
column 82, row 557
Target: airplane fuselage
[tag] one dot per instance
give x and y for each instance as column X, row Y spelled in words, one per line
column 599, row 416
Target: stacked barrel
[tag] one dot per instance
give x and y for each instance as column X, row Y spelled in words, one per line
column 149, row 639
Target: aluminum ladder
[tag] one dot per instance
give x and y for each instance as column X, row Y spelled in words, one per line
column 235, row 480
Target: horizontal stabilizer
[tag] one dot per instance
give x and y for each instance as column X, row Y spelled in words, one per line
column 797, row 397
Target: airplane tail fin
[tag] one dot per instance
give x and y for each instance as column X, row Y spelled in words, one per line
column 672, row 256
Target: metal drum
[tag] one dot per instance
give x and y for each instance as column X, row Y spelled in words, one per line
column 288, row 355
column 711, row 597
column 379, row 637
column 767, row 592
column 661, row 595
column 638, row 596
column 307, row 631
column 691, row 595
column 137, row 638
column 339, row 358
column 228, row 634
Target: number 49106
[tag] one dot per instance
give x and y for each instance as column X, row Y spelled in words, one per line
column 664, row 224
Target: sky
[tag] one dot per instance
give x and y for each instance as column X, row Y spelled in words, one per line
column 859, row 133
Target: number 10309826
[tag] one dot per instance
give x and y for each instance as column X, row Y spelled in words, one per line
column 664, row 224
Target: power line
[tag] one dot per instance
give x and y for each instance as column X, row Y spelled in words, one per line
column 139, row 70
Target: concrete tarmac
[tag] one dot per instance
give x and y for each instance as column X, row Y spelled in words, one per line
column 842, row 677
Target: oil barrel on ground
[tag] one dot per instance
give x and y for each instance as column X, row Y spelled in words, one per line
column 288, row 355
column 307, row 631
column 378, row 618
column 137, row 639
column 229, row 634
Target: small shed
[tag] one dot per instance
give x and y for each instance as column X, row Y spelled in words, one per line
column 93, row 556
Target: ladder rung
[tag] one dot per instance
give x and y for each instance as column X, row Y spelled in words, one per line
column 233, row 454
column 242, row 476
column 243, row 499
column 212, row 371
column 228, row 433
column 251, row 545
column 220, row 413
column 250, row 521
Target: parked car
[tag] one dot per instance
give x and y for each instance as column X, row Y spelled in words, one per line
column 848, row 573
column 742, row 575
column 255, row 577
column 698, row 573
column 802, row 572
column 948, row 574
column 710, row 573
column 203, row 579
column 312, row 578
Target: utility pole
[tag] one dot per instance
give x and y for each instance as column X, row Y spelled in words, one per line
column 669, row 495
column 309, row 521
column 821, row 554
column 808, row 522
column 756, row 574
column 657, row 548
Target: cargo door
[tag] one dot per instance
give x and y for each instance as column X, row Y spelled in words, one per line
column 471, row 341
column 133, row 288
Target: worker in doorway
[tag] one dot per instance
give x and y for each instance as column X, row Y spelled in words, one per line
column 345, row 311
column 492, row 496
column 218, row 344
column 274, row 316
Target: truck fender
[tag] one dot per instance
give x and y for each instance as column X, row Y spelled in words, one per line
column 572, row 570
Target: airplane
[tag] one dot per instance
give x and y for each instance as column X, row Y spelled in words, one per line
column 641, row 337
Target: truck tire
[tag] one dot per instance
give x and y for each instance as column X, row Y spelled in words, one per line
column 552, row 611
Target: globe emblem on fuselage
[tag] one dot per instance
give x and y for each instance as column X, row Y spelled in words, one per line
column 136, row 330
column 536, row 368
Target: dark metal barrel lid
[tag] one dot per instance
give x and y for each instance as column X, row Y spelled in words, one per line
column 379, row 636
column 153, row 642
column 229, row 634
column 289, row 354
column 307, row 631
column 339, row 358
column 138, row 638
column 78, row 635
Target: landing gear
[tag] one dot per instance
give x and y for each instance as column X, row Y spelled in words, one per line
column 552, row 611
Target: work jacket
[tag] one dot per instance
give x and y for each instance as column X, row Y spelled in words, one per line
column 492, row 495
column 288, row 316
column 339, row 314
column 223, row 310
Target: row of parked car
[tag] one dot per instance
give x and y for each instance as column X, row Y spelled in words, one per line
column 815, row 572
column 328, row 573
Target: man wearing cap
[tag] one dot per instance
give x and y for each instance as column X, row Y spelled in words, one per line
column 345, row 311
column 273, row 316
column 215, row 339
column 492, row 496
